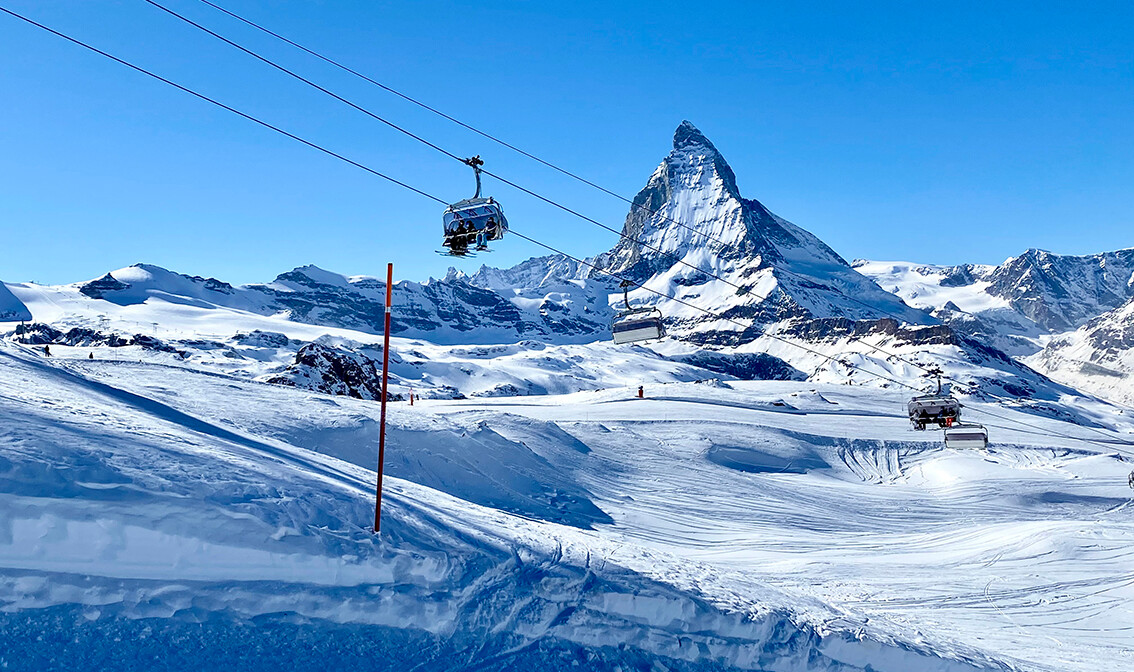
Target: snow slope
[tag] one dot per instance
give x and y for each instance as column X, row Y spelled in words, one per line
column 774, row 526
column 11, row 308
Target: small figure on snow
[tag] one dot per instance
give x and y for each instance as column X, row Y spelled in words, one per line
column 47, row 351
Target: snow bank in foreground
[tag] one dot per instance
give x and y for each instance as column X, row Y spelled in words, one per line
column 136, row 521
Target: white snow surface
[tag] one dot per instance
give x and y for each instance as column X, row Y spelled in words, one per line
column 779, row 526
column 920, row 285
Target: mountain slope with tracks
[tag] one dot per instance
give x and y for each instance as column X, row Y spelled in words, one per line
column 731, row 526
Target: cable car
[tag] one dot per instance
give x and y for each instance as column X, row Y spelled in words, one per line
column 934, row 409
column 636, row 324
column 469, row 225
column 966, row 437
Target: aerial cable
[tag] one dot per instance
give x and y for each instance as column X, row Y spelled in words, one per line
column 423, row 193
column 306, row 81
column 420, row 192
column 825, row 356
column 535, row 158
column 1107, row 444
column 434, row 146
column 221, row 105
column 523, row 189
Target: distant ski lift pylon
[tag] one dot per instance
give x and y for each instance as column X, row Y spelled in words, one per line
column 934, row 409
column 634, row 325
column 962, row 436
column 469, row 225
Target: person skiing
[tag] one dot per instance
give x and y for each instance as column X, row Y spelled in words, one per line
column 47, row 351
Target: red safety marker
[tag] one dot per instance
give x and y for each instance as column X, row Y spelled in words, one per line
column 385, row 388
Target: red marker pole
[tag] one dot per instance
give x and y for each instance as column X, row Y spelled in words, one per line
column 385, row 387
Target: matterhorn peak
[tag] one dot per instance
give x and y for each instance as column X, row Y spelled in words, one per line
column 690, row 231
column 688, row 135
column 692, row 205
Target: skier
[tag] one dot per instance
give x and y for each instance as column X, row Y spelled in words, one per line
column 47, row 351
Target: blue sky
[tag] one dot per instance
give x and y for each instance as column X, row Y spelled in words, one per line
column 934, row 132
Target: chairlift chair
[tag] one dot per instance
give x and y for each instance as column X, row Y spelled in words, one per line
column 634, row 325
column 934, row 409
column 469, row 225
column 966, row 437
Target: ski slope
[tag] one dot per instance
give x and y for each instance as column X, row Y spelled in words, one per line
column 763, row 525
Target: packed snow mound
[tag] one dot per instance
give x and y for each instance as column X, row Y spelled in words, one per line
column 146, row 509
column 11, row 308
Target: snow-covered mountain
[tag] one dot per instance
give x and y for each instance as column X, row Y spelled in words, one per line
column 690, row 223
column 11, row 308
column 1097, row 357
column 444, row 311
column 1013, row 305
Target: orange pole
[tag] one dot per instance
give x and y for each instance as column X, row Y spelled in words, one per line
column 385, row 387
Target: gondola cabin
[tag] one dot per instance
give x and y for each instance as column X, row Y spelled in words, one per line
column 966, row 437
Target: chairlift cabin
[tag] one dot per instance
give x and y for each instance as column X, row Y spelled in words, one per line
column 634, row 325
column 469, row 225
column 934, row 409
column 966, row 437
column 939, row 409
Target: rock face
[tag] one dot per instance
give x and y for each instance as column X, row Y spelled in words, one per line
column 321, row 368
column 1061, row 292
column 1098, row 357
column 97, row 289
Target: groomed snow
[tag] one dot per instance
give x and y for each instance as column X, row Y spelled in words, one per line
column 779, row 526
